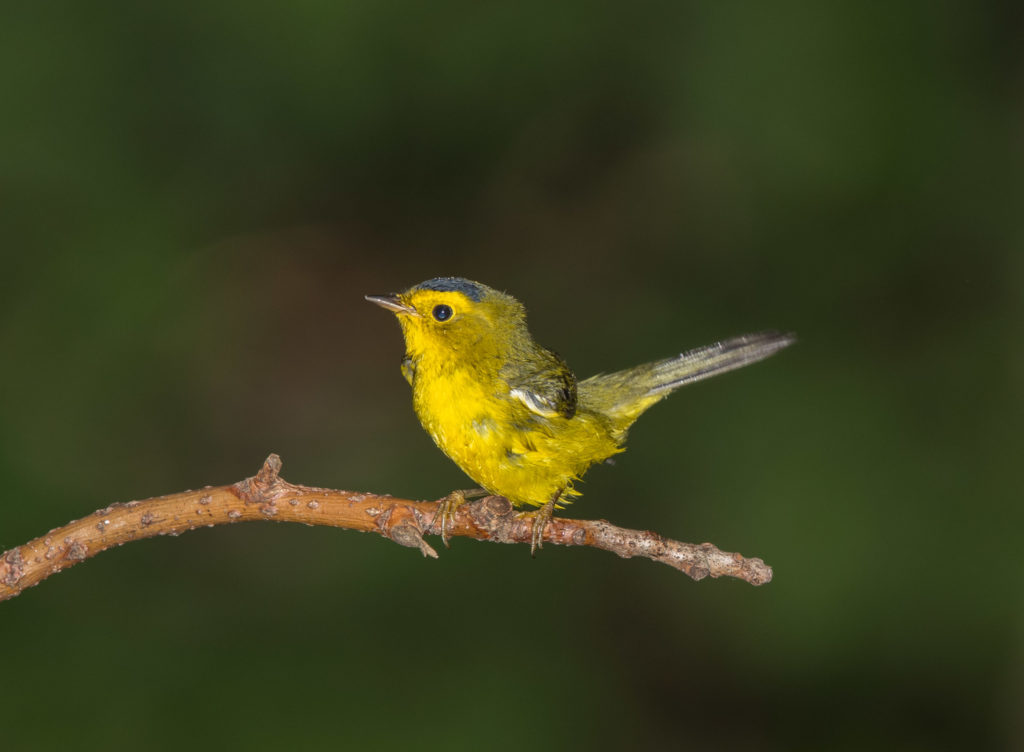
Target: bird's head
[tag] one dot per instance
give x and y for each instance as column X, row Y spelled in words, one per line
column 452, row 317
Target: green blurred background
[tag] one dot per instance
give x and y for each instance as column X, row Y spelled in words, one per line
column 194, row 199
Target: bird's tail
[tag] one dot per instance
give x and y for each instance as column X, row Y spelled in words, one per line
column 624, row 395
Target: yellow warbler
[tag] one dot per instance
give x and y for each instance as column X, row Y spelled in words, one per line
column 511, row 413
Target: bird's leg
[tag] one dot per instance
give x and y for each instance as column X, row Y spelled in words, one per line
column 447, row 507
column 540, row 521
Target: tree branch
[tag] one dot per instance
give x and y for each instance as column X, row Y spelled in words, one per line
column 267, row 496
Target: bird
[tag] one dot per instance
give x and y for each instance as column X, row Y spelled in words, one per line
column 511, row 413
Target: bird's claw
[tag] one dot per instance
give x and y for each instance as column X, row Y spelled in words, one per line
column 541, row 518
column 446, row 508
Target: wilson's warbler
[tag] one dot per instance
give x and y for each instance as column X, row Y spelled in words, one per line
column 511, row 413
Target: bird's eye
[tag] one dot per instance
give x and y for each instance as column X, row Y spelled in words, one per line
column 442, row 312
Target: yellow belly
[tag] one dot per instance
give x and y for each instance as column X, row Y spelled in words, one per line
column 503, row 446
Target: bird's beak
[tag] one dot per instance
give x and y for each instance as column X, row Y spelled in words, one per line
column 392, row 303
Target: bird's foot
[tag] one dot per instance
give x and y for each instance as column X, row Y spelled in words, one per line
column 540, row 521
column 446, row 508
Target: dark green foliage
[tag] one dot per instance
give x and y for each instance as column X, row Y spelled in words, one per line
column 194, row 197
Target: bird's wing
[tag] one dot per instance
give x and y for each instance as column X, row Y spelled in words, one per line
column 547, row 387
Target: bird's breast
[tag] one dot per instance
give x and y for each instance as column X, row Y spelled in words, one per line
column 455, row 407
column 498, row 442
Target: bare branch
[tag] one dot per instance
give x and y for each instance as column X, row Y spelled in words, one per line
column 267, row 496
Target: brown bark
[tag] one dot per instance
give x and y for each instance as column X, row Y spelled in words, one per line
column 267, row 496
